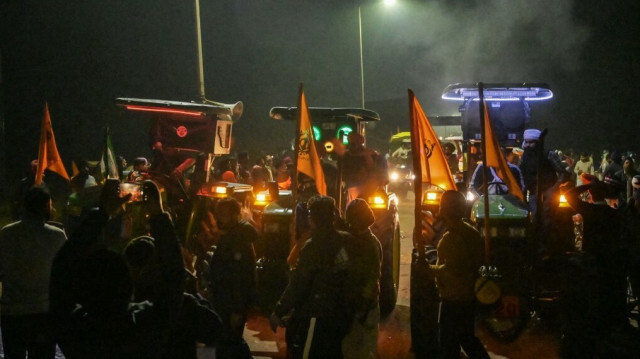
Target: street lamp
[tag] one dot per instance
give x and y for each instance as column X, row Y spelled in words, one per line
column 387, row 3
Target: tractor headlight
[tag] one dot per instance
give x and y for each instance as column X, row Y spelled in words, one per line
column 562, row 202
column 377, row 201
column 432, row 197
column 219, row 191
column 471, row 196
column 394, row 176
column 262, row 199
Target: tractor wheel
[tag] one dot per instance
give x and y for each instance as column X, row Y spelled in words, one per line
column 390, row 271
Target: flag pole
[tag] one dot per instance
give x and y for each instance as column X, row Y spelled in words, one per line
column 296, row 146
column 485, row 173
column 417, row 181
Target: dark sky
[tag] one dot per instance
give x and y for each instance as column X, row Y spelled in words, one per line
column 79, row 56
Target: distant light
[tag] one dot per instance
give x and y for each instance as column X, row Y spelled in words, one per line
column 389, row 2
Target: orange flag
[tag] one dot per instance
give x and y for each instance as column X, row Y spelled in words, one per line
column 48, row 156
column 306, row 152
column 495, row 158
column 428, row 158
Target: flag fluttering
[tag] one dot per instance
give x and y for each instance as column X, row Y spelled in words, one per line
column 74, row 169
column 308, row 160
column 48, row 156
column 428, row 158
column 495, row 158
column 108, row 165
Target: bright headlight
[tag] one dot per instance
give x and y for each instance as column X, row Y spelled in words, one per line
column 471, row 196
column 394, row 176
column 377, row 201
column 562, row 202
column 262, row 199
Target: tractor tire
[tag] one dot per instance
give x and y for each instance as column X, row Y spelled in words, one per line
column 390, row 271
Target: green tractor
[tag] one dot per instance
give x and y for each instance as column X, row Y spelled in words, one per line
column 510, row 243
column 274, row 209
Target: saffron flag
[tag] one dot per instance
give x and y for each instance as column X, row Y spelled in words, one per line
column 308, row 160
column 495, row 158
column 74, row 169
column 48, row 156
column 428, row 158
column 108, row 165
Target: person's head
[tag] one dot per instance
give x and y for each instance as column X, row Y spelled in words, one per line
column 628, row 165
column 104, row 286
column 359, row 215
column 37, row 204
column 597, row 191
column 616, row 157
column 122, row 163
column 140, row 164
column 531, row 138
column 83, row 166
column 227, row 213
column 140, row 255
column 448, row 148
column 280, row 165
column 243, row 158
column 321, row 212
column 452, row 206
column 356, row 140
column 233, row 164
column 306, row 184
column 584, row 157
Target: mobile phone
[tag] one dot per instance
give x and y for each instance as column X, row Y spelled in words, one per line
column 135, row 189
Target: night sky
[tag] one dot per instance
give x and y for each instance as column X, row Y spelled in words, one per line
column 80, row 55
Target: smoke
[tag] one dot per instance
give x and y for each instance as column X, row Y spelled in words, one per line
column 492, row 41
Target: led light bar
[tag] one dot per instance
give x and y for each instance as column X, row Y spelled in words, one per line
column 164, row 110
column 498, row 92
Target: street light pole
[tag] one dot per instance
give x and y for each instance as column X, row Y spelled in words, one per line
column 199, row 44
column 361, row 57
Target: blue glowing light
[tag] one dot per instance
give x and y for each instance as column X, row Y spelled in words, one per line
column 461, row 92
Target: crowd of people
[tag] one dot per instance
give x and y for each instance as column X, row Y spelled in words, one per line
column 97, row 290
